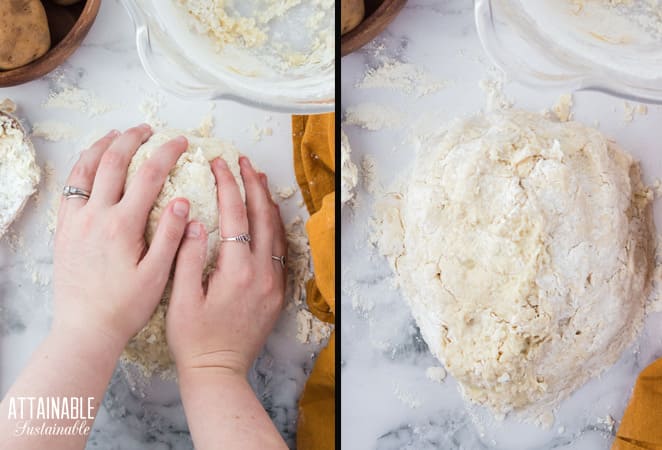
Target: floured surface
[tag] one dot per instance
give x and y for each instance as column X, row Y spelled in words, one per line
column 514, row 288
column 18, row 170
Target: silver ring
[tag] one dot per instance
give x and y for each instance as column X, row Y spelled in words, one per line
column 243, row 238
column 74, row 192
column 280, row 259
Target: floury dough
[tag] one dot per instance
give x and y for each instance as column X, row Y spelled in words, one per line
column 193, row 179
column 18, row 170
column 527, row 255
column 349, row 172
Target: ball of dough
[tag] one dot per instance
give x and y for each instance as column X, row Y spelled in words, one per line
column 527, row 259
column 193, row 179
column 24, row 34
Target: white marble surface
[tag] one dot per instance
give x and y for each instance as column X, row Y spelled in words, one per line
column 383, row 356
column 107, row 65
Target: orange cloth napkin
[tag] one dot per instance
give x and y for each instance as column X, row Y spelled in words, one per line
column 641, row 427
column 314, row 165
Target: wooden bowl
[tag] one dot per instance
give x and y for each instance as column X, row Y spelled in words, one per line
column 85, row 11
column 378, row 14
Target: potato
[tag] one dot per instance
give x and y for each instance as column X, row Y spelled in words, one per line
column 24, row 34
column 65, row 2
column 351, row 14
column 60, row 21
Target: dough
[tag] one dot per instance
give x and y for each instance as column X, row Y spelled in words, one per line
column 193, row 179
column 527, row 256
column 18, row 170
column 349, row 172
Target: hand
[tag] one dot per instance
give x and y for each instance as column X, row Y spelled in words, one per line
column 106, row 284
column 226, row 327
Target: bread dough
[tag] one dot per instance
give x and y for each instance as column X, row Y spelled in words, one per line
column 18, row 170
column 193, row 179
column 527, row 256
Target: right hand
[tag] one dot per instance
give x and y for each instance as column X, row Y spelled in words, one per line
column 226, row 327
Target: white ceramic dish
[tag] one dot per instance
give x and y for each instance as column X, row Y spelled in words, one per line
column 577, row 44
column 186, row 63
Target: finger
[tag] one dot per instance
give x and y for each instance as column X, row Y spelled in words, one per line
column 161, row 253
column 233, row 219
column 259, row 210
column 82, row 174
column 279, row 247
column 148, row 182
column 111, row 175
column 187, row 281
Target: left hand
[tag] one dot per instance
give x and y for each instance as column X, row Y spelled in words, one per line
column 106, row 282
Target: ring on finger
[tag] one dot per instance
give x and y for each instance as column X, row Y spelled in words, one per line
column 75, row 192
column 280, row 259
column 243, row 238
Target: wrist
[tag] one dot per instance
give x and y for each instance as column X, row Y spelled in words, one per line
column 88, row 340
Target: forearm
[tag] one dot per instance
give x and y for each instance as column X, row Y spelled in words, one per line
column 223, row 412
column 66, row 365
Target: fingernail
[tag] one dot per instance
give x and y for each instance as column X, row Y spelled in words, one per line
column 145, row 126
column 180, row 209
column 193, row 230
column 181, row 140
column 113, row 133
column 263, row 179
column 245, row 162
column 220, row 163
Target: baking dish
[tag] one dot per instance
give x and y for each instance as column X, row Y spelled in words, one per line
column 576, row 44
column 186, row 63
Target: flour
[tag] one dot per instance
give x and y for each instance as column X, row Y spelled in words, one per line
column 77, row 99
column 436, row 374
column 372, row 116
column 369, row 174
column 630, row 111
column 514, row 287
column 311, row 330
column 348, row 171
column 406, row 397
column 404, row 77
column 260, row 132
column 18, row 170
column 150, row 107
column 193, row 179
column 562, row 108
column 492, row 85
column 285, row 192
column 54, row 131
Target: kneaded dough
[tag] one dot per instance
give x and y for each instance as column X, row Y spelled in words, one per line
column 193, row 179
column 527, row 256
column 18, row 170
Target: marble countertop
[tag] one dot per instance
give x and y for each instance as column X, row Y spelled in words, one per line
column 136, row 413
column 387, row 400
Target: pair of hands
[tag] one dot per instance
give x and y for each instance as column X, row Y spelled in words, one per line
column 107, row 283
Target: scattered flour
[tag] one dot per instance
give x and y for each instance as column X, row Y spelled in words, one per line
column 260, row 132
column 436, row 374
column 54, row 131
column 77, row 99
column 372, row 116
column 369, row 174
column 150, row 107
column 630, row 111
column 285, row 192
column 562, row 108
column 348, row 171
column 404, row 77
column 406, row 398
column 493, row 88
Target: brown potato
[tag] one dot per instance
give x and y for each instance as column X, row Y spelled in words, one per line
column 351, row 14
column 24, row 34
column 65, row 2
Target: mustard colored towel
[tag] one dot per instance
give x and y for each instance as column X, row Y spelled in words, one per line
column 641, row 427
column 314, row 165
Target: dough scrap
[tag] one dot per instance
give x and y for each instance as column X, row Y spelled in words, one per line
column 527, row 256
column 193, row 179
